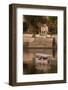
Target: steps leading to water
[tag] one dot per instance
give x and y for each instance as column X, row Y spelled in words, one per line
column 40, row 42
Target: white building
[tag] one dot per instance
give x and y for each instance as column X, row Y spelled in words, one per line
column 44, row 30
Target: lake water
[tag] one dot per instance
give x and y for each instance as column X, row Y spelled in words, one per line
column 29, row 62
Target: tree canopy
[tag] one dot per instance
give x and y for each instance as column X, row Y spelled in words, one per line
column 35, row 23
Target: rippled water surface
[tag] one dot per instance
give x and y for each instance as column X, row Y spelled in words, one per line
column 30, row 65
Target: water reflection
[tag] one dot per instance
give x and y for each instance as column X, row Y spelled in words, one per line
column 32, row 65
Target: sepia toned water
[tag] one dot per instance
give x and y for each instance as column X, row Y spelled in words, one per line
column 30, row 65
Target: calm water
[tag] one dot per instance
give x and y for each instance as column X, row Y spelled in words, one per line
column 31, row 67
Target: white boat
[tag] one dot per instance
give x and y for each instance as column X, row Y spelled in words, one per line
column 41, row 58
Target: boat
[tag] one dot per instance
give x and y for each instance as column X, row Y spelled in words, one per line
column 41, row 58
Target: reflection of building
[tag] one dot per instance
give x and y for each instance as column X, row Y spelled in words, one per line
column 44, row 30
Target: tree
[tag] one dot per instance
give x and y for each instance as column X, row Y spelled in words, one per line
column 36, row 21
column 53, row 24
